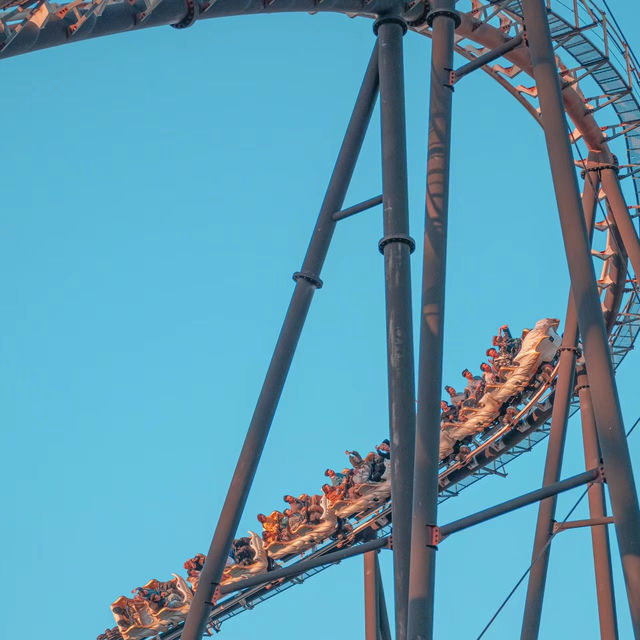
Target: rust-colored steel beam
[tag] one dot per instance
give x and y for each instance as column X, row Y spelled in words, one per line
column 597, row 511
column 396, row 246
column 427, row 437
column 624, row 223
column 307, row 281
column 371, row 598
column 608, row 416
column 557, row 437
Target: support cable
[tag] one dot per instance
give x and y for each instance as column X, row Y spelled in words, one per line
column 635, row 424
column 526, row 573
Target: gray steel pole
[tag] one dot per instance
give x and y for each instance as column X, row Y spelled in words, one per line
column 396, row 245
column 555, row 448
column 385, row 629
column 519, row 502
column 304, row 565
column 597, row 510
column 490, row 56
column 357, row 208
column 578, row 524
column 611, row 188
column 307, row 280
column 608, row 416
column 371, row 600
column 443, row 20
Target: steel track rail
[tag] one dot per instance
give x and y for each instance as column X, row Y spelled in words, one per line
column 602, row 54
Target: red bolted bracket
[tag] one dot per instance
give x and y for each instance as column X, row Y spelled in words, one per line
column 433, row 535
column 602, row 478
column 216, row 596
column 390, row 542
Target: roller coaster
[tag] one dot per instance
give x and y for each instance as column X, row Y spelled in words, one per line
column 561, row 61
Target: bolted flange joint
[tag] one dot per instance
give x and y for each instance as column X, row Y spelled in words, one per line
column 422, row 18
column 598, row 168
column 308, row 277
column 433, row 533
column 575, row 350
column 408, row 240
column 445, row 13
column 603, row 476
column 390, row 19
column 193, row 11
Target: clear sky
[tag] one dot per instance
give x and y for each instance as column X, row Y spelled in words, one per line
column 159, row 189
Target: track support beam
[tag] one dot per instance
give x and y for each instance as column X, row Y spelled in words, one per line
column 618, row 206
column 307, row 280
column 296, row 569
column 597, row 511
column 557, row 437
column 385, row 629
column 488, row 57
column 357, row 208
column 443, row 20
column 522, row 501
column 371, row 598
column 578, row 524
column 604, row 394
column 396, row 246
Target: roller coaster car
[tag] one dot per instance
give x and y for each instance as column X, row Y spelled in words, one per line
column 133, row 617
column 369, row 494
column 539, row 348
column 177, row 600
column 110, row 634
column 306, row 535
column 462, row 454
column 259, row 565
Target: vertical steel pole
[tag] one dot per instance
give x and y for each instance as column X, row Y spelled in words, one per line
column 371, row 613
column 443, row 20
column 384, row 628
column 396, row 246
column 597, row 509
column 307, row 280
column 555, row 448
column 611, row 188
column 615, row 452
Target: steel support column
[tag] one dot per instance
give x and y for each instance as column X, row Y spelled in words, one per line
column 396, row 246
column 443, row 20
column 606, row 406
column 371, row 599
column 385, row 629
column 611, row 188
column 307, row 280
column 555, row 448
column 597, row 510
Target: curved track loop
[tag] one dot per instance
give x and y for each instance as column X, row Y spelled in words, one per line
column 595, row 56
column 600, row 79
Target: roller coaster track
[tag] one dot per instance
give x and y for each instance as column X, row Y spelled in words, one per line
column 600, row 77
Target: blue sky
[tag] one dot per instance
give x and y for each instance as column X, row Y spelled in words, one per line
column 159, row 191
